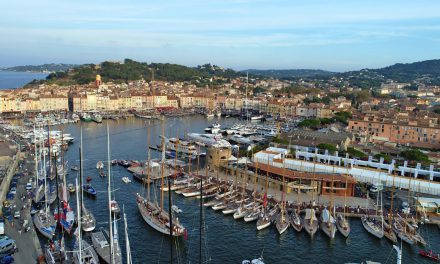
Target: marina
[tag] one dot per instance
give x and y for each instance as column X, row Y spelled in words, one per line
column 239, row 212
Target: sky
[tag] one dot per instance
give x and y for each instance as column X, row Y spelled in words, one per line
column 332, row 35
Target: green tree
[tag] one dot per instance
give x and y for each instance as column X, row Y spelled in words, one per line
column 355, row 153
column 311, row 123
column 415, row 155
column 327, row 146
column 386, row 158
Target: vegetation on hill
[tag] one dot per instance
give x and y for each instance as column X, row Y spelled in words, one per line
column 406, row 72
column 287, row 74
column 52, row 67
column 132, row 70
column 366, row 79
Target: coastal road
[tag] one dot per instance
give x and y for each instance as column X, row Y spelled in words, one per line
column 27, row 242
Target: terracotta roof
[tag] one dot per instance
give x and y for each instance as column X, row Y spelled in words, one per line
column 290, row 174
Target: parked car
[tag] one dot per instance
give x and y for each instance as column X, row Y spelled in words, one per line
column 7, row 247
column 13, row 190
column 376, row 187
column 2, row 227
column 10, row 196
column 17, row 214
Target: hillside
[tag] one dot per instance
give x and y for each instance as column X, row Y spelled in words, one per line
column 131, row 70
column 52, row 67
column 406, row 72
column 292, row 73
column 422, row 72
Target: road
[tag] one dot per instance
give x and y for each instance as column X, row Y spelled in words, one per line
column 27, row 242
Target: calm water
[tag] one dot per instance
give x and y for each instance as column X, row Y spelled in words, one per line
column 10, row 80
column 226, row 240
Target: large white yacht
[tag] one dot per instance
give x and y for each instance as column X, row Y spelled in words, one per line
column 209, row 140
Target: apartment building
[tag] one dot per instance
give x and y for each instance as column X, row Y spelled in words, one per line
column 423, row 132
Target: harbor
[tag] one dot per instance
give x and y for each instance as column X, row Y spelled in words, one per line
column 130, row 138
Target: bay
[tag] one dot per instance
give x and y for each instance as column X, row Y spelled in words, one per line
column 11, row 80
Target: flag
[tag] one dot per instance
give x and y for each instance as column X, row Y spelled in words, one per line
column 185, row 234
column 265, row 200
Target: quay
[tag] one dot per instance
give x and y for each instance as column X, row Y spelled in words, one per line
column 28, row 245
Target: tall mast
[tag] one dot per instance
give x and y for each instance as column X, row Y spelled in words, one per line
column 163, row 164
column 36, row 159
column 390, row 218
column 127, row 242
column 50, row 168
column 170, row 216
column 152, row 85
column 283, row 194
column 112, row 255
column 149, row 161
column 345, row 193
column 201, row 216
column 81, row 168
column 246, row 106
column 79, row 218
column 58, row 195
column 45, row 175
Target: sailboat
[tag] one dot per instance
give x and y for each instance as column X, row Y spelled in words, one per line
column 45, row 223
column 106, row 243
column 310, row 222
column 40, row 189
column 83, row 253
column 328, row 223
column 55, row 253
column 295, row 220
column 65, row 216
column 387, row 226
column 282, row 221
column 44, row 220
column 152, row 213
column 342, row 222
column 404, row 230
column 88, row 221
column 264, row 219
column 370, row 224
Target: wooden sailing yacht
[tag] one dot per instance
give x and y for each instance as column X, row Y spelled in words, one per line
column 295, row 219
column 264, row 220
column 387, row 226
column 342, row 222
column 310, row 222
column 404, row 230
column 152, row 213
column 328, row 222
column 282, row 221
column 370, row 224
